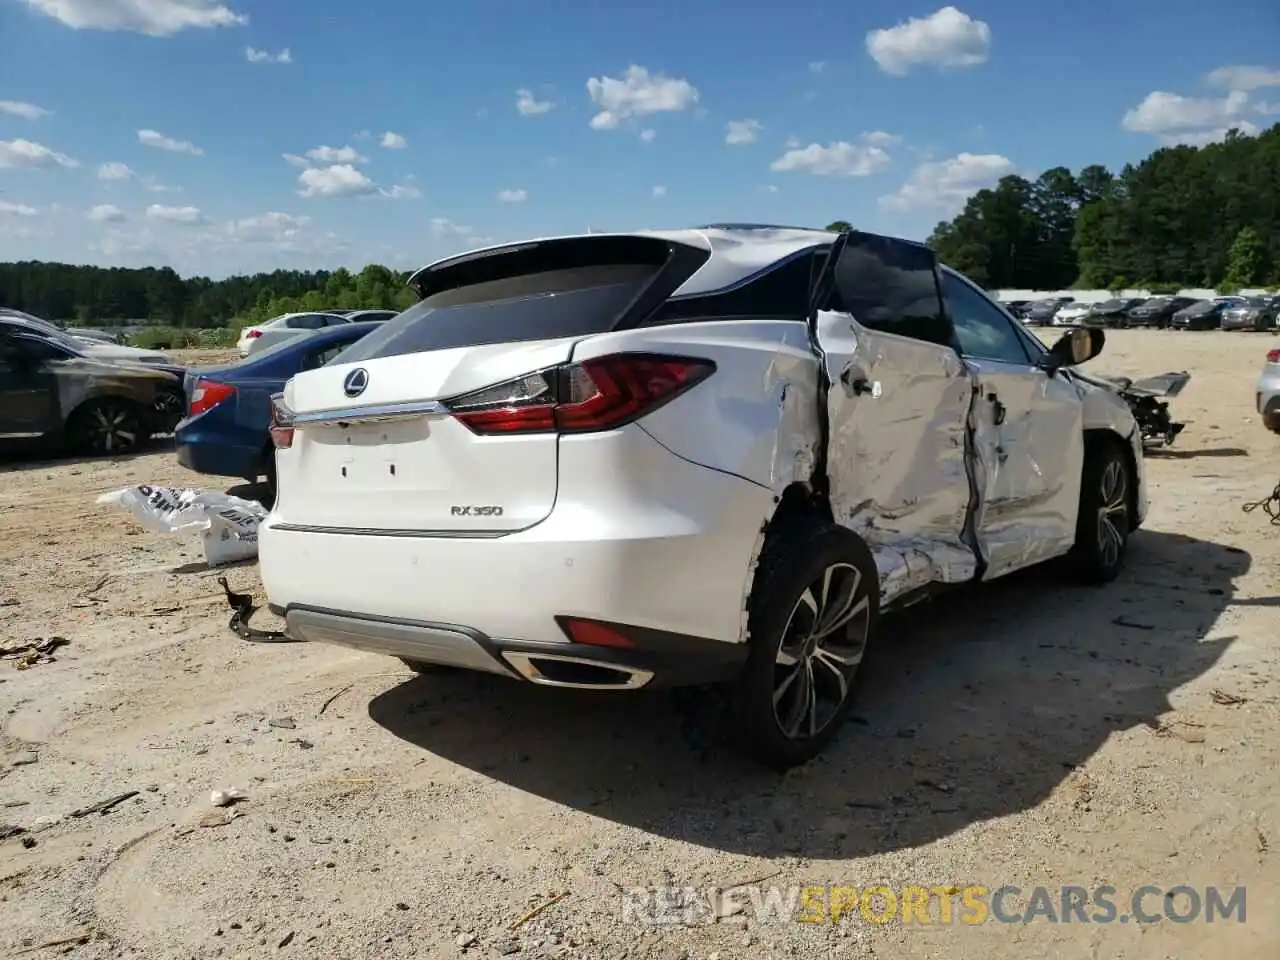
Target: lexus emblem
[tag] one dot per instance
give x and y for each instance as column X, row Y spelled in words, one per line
column 356, row 381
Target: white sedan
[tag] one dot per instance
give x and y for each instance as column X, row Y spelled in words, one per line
column 263, row 335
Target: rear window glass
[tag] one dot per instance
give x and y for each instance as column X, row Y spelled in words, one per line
column 546, row 305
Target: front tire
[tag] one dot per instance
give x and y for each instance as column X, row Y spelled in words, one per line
column 1105, row 519
column 812, row 614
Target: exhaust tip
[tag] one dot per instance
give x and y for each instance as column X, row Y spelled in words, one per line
column 559, row 670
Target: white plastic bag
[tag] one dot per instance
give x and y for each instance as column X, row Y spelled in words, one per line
column 228, row 526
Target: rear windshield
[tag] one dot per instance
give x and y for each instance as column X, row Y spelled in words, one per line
column 546, row 305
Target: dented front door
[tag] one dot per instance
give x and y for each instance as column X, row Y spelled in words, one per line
column 898, row 408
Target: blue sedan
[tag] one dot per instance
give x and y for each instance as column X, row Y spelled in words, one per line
column 228, row 407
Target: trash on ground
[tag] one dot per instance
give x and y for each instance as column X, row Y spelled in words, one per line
column 31, row 653
column 107, row 805
column 225, row 798
column 228, row 525
column 1224, row 699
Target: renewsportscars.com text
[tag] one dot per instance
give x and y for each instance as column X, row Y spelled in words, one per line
column 939, row 905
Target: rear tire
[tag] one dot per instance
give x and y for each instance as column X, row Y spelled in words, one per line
column 108, row 426
column 1105, row 519
column 812, row 615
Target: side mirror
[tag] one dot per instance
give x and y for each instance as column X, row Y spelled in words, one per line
column 1074, row 348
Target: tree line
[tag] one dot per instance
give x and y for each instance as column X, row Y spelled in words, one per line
column 103, row 296
column 1185, row 216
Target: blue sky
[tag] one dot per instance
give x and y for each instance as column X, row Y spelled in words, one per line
column 136, row 132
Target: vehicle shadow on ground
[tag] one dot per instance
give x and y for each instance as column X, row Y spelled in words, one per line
column 15, row 461
column 977, row 706
column 1166, row 454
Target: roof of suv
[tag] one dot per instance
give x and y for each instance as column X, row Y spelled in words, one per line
column 738, row 251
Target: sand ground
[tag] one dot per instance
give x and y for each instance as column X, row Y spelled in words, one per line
column 1030, row 735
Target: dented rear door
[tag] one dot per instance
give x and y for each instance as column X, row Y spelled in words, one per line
column 898, row 413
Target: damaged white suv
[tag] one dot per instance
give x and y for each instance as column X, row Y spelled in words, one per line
column 686, row 457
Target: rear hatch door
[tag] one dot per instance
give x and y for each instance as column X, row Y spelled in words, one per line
column 375, row 451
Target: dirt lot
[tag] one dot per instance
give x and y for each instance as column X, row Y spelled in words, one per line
column 1035, row 735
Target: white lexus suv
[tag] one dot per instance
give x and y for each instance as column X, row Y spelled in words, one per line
column 702, row 456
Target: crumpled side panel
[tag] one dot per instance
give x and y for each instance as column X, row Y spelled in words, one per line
column 897, row 460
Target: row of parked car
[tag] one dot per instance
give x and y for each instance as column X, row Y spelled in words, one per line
column 1173, row 313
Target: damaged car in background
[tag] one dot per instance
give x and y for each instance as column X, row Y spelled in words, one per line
column 54, row 395
column 710, row 456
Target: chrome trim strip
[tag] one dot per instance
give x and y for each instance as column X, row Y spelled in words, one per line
column 380, row 532
column 523, row 663
column 373, row 412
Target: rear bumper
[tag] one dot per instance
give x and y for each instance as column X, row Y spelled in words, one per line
column 667, row 547
column 218, row 458
column 656, row 659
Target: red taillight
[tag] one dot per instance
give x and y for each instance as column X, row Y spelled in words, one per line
column 280, row 424
column 1273, row 356
column 593, row 633
column 251, row 334
column 598, row 394
column 207, row 394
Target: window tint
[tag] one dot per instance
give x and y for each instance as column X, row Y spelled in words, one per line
column 308, row 321
column 982, row 330
column 331, row 320
column 782, row 293
column 891, row 286
column 533, row 306
column 319, row 358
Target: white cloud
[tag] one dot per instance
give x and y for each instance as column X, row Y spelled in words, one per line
column 840, row 159
column 362, row 135
column 156, row 186
column 25, row 153
column 792, row 143
column 106, row 213
column 659, row 191
column 771, row 188
column 638, row 94
column 1166, row 113
column 443, row 227
column 1243, row 78
column 512, row 196
column 339, row 180
column 648, row 136
column 946, row 38
column 155, row 18
column 530, row 106
column 267, row 227
column 393, row 141
column 175, row 214
column 254, row 55
column 817, row 66
column 17, row 209
column 151, row 138
column 878, row 138
column 944, row 185
column 402, row 191
column 1201, row 138
column 742, row 131
column 27, row 111
column 335, row 155
column 297, row 161
column 115, row 171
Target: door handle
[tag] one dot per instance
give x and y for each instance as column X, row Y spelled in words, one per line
column 858, row 385
column 998, row 410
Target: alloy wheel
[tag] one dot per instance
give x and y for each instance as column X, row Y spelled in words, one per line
column 1113, row 512
column 820, row 651
column 112, row 428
